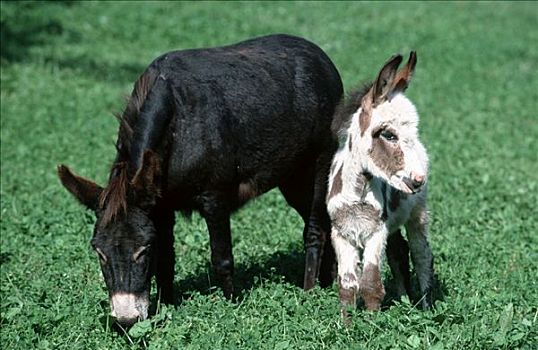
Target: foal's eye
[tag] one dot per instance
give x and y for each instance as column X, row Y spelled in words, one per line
column 102, row 256
column 389, row 136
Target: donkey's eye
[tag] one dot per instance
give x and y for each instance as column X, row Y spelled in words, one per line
column 102, row 256
column 389, row 136
column 140, row 253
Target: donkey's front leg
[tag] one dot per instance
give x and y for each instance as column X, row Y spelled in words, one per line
column 347, row 257
column 421, row 254
column 371, row 285
column 164, row 220
column 220, row 237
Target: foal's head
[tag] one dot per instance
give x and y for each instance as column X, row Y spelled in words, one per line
column 387, row 139
column 124, row 232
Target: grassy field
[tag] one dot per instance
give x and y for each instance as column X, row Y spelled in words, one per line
column 65, row 69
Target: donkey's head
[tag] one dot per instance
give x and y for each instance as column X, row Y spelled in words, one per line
column 387, row 139
column 124, row 232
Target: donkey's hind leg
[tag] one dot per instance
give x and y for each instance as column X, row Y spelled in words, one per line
column 217, row 217
column 320, row 221
column 300, row 193
column 421, row 254
column 398, row 259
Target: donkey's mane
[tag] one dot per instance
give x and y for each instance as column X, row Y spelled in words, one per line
column 130, row 115
column 347, row 107
column 113, row 199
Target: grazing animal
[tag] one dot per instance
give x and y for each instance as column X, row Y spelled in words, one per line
column 377, row 184
column 207, row 130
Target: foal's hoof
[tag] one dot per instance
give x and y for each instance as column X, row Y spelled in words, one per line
column 346, row 317
column 426, row 303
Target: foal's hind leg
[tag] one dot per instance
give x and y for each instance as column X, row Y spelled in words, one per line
column 398, row 259
column 421, row 254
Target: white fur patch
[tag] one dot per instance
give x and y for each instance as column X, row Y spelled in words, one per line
column 129, row 306
column 348, row 260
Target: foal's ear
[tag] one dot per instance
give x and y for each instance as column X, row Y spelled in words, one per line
column 384, row 82
column 86, row 191
column 403, row 77
column 146, row 181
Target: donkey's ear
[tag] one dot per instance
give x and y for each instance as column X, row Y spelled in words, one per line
column 403, row 77
column 146, row 182
column 384, row 82
column 86, row 191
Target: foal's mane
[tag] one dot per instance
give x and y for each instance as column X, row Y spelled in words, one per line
column 113, row 199
column 347, row 107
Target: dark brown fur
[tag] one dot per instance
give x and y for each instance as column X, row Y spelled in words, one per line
column 364, row 120
column 388, row 158
column 113, row 199
column 372, row 290
column 134, row 104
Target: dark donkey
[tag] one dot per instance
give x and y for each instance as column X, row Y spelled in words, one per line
column 208, row 130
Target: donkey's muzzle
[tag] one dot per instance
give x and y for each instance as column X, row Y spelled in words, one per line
column 127, row 321
column 128, row 308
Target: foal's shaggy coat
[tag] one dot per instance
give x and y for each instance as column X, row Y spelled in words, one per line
column 377, row 184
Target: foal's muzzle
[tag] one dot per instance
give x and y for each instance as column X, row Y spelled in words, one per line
column 414, row 182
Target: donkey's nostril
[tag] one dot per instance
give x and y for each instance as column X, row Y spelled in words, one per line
column 127, row 321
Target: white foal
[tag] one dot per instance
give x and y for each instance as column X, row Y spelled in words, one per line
column 377, row 184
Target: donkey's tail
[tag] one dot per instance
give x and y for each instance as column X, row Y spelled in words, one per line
column 346, row 108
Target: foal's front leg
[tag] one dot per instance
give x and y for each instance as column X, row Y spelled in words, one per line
column 347, row 257
column 220, row 237
column 421, row 254
column 371, row 285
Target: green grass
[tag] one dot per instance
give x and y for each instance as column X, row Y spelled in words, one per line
column 65, row 68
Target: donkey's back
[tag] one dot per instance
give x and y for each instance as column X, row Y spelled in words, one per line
column 246, row 116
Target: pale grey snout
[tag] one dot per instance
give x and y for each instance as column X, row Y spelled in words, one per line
column 128, row 308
